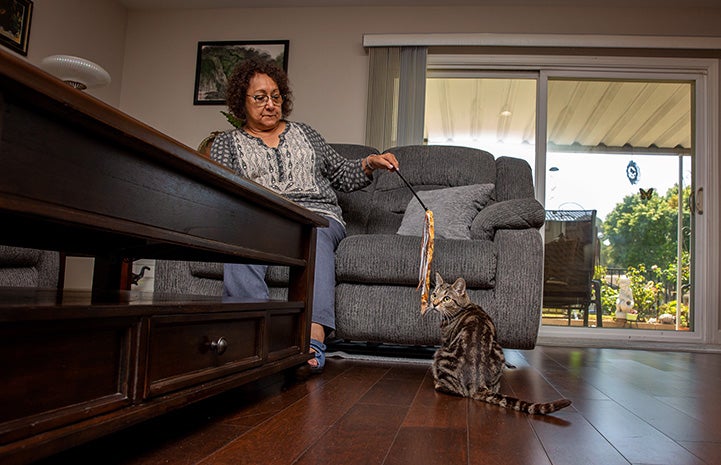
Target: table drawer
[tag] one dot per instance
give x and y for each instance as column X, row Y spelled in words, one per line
column 184, row 350
column 59, row 372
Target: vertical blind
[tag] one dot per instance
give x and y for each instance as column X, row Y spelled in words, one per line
column 396, row 96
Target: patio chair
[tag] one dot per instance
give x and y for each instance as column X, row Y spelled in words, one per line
column 571, row 253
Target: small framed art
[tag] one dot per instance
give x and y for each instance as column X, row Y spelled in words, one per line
column 15, row 18
column 217, row 60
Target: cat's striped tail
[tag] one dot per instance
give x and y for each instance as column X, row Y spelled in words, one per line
column 533, row 408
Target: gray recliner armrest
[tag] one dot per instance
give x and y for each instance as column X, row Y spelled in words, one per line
column 510, row 214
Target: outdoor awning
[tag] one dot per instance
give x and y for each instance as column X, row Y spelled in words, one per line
column 583, row 115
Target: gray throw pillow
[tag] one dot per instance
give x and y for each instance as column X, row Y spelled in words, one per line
column 453, row 210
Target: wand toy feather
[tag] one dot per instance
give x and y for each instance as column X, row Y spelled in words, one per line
column 424, row 271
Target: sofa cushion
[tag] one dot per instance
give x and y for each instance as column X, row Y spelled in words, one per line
column 453, row 210
column 393, row 259
column 13, row 257
column 207, row 270
column 275, row 276
column 448, row 166
column 355, row 205
column 190, row 278
column 23, row 267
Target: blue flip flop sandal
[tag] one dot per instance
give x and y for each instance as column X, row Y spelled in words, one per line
column 319, row 349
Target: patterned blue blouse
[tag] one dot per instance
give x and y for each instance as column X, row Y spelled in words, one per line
column 303, row 168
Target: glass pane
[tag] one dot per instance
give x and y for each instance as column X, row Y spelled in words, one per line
column 617, row 152
column 494, row 114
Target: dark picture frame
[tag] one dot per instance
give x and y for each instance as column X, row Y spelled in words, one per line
column 15, row 16
column 217, row 60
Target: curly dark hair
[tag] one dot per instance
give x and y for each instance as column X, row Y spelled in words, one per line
column 240, row 81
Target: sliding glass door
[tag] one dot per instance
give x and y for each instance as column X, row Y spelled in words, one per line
column 616, row 153
column 619, row 176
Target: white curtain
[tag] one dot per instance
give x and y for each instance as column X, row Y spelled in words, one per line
column 396, row 96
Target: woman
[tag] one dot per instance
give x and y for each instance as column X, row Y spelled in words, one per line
column 294, row 160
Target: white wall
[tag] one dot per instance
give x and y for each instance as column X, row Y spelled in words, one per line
column 328, row 66
column 90, row 29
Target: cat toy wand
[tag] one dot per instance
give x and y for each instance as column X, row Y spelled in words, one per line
column 424, row 271
column 411, row 189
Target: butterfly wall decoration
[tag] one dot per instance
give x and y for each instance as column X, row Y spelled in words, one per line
column 646, row 194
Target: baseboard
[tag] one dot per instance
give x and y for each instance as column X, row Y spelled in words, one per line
column 626, row 344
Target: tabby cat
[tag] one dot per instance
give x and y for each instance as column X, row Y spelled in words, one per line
column 470, row 361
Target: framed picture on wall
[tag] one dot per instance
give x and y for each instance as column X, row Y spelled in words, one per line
column 217, row 60
column 15, row 18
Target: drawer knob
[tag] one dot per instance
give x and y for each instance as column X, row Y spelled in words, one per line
column 219, row 346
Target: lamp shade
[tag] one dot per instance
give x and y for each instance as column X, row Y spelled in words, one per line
column 78, row 72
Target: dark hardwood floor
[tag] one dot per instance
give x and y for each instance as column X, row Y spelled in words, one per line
column 629, row 407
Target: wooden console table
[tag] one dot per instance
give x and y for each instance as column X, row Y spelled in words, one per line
column 81, row 177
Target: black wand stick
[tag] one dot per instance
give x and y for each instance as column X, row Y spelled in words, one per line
column 412, row 190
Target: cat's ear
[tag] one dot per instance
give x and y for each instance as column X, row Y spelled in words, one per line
column 439, row 280
column 460, row 285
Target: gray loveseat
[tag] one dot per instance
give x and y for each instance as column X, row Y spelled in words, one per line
column 495, row 245
column 22, row 267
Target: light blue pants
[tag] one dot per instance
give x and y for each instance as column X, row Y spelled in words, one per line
column 243, row 280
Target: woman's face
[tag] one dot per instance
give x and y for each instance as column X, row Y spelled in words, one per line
column 263, row 114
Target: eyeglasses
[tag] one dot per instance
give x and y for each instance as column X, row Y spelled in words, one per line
column 262, row 99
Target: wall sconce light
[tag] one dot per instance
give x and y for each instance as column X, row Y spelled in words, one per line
column 78, row 72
